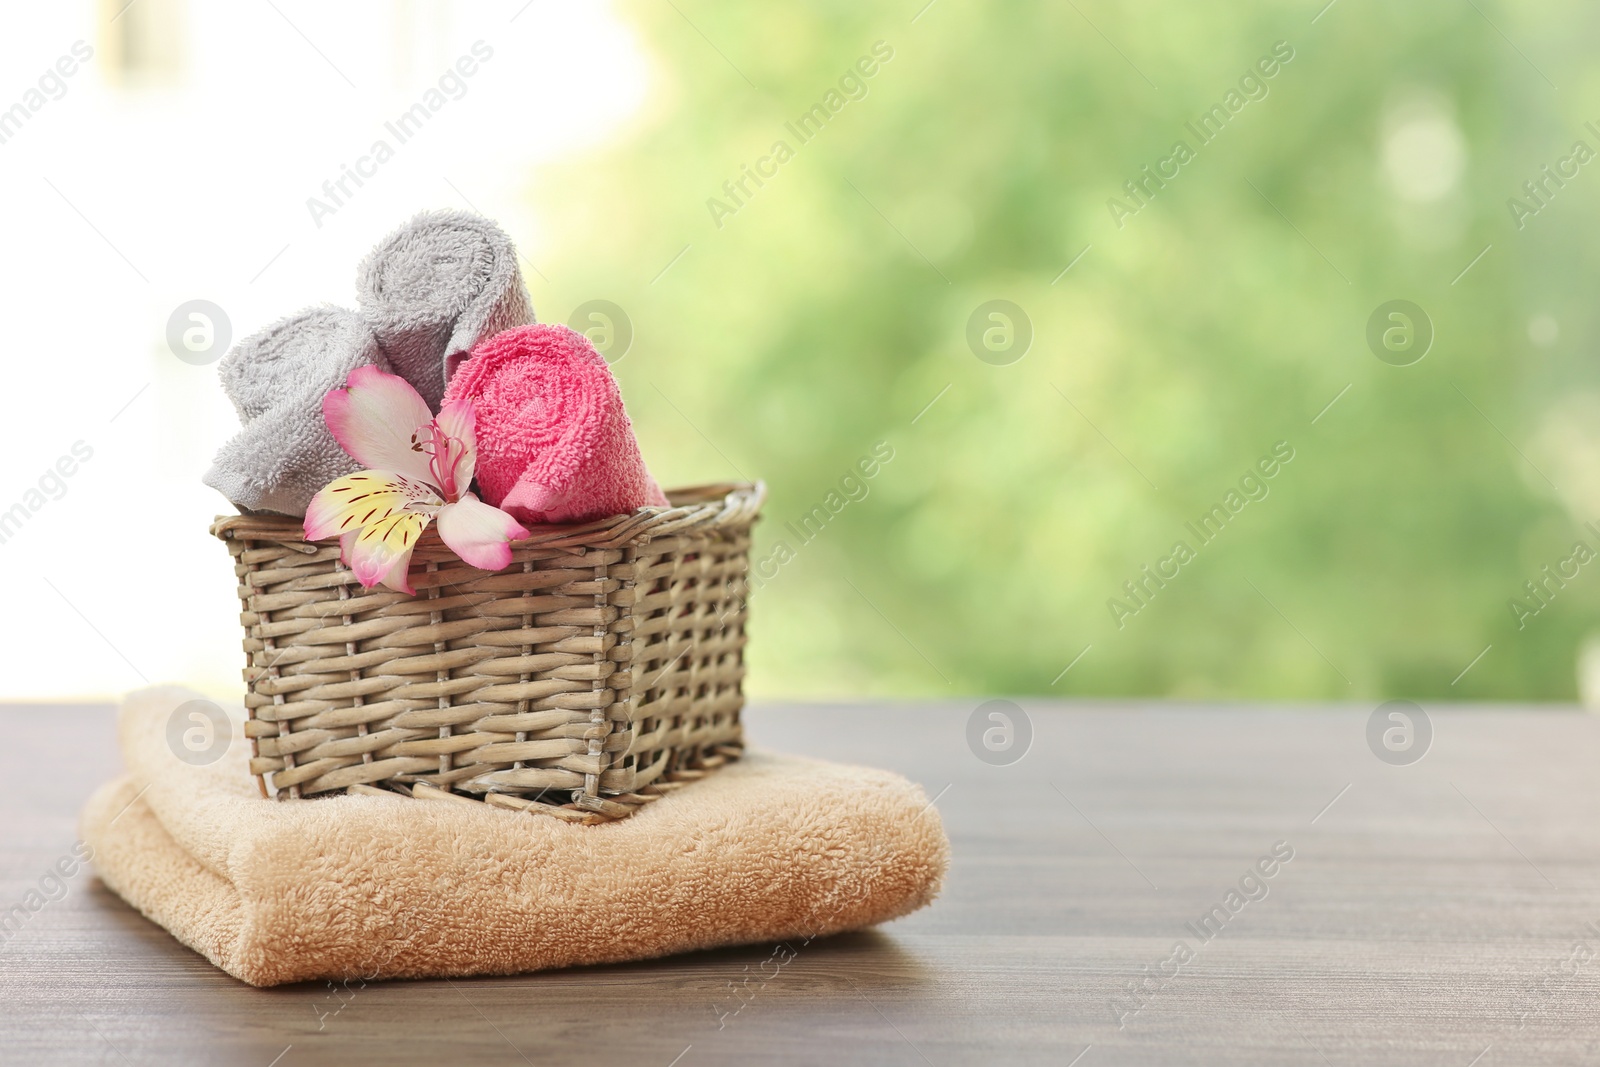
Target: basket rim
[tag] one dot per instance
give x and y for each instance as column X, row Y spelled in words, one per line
column 692, row 508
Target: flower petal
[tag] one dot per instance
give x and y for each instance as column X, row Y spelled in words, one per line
column 363, row 498
column 382, row 551
column 456, row 438
column 376, row 419
column 399, row 576
column 478, row 533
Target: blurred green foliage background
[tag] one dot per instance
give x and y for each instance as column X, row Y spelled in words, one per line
column 831, row 307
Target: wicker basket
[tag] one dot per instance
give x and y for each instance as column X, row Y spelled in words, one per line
column 599, row 670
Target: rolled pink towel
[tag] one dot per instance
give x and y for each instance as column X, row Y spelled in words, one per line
column 554, row 442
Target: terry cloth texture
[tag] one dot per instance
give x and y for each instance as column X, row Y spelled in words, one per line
column 276, row 379
column 436, row 287
column 766, row 849
column 554, row 441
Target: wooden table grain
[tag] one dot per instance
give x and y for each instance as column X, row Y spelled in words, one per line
column 1445, row 912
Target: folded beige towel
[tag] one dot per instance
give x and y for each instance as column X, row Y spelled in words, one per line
column 769, row 848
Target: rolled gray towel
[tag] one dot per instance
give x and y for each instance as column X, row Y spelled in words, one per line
column 436, row 287
column 276, row 379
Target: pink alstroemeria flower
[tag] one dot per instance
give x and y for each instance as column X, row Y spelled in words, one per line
column 422, row 468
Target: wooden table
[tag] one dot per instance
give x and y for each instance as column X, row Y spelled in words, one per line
column 1445, row 912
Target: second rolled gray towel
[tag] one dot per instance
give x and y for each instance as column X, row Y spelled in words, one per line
column 276, row 379
column 434, row 288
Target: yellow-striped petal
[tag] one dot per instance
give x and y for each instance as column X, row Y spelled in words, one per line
column 382, row 551
column 362, row 499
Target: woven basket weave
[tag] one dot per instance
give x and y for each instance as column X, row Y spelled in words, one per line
column 599, row 670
